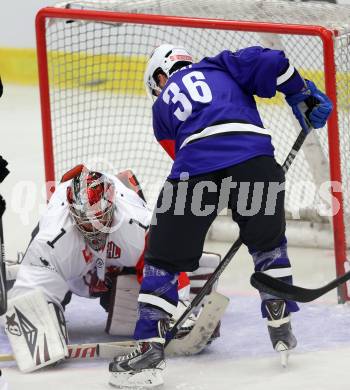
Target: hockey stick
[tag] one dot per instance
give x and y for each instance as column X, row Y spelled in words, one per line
column 90, row 351
column 199, row 336
column 229, row 255
column 270, row 285
column 3, row 294
column 193, row 343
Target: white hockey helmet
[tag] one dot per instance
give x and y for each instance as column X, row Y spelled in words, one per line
column 163, row 59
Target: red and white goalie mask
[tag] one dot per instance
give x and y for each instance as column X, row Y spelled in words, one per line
column 91, row 203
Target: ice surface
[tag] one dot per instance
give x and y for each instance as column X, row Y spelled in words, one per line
column 242, row 359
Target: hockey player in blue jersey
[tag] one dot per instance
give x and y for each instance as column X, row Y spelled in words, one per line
column 206, row 118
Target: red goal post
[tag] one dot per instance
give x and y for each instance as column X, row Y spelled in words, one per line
column 326, row 35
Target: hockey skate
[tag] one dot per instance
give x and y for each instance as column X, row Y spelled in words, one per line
column 280, row 329
column 141, row 368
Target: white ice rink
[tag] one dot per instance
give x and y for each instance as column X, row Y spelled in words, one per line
column 242, row 359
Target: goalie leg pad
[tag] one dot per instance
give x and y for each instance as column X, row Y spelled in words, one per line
column 60, row 322
column 12, row 271
column 122, row 314
column 32, row 329
column 207, row 265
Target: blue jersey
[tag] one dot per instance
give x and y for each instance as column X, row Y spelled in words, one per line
column 206, row 116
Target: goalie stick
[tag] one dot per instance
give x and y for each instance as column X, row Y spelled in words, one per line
column 3, row 294
column 89, row 351
column 270, row 285
column 191, row 344
column 199, row 336
column 230, row 254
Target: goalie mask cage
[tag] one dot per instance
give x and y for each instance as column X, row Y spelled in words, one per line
column 92, row 57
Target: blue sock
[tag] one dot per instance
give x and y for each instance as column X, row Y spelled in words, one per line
column 158, row 299
column 275, row 263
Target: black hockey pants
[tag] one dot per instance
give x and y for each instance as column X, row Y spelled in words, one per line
column 253, row 190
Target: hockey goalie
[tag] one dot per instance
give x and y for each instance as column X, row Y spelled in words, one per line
column 90, row 242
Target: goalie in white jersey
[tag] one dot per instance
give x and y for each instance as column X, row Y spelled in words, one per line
column 92, row 222
column 93, row 230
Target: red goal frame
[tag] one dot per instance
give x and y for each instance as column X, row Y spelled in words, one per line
column 326, row 35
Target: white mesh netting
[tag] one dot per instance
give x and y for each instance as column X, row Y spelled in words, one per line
column 102, row 117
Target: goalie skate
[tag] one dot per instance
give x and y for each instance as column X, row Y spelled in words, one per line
column 280, row 329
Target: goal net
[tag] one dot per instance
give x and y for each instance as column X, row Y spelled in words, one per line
column 95, row 111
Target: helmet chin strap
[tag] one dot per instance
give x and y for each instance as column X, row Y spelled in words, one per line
column 98, row 242
column 101, row 250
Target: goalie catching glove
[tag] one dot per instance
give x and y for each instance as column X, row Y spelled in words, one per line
column 310, row 104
